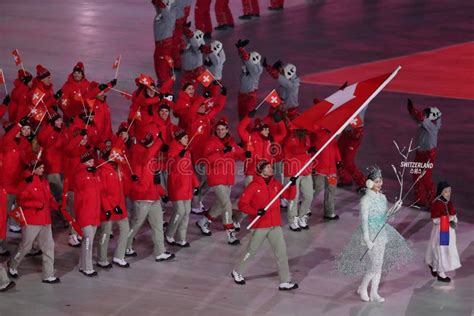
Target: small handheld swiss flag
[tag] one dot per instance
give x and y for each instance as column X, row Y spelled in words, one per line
column 170, row 61
column 18, row 215
column 273, row 99
column 37, row 97
column 116, row 63
column 205, row 78
column 16, row 57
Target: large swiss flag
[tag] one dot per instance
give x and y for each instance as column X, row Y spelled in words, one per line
column 343, row 106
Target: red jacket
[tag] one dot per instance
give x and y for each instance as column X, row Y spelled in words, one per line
column 102, row 120
column 144, row 165
column 53, row 141
column 113, row 193
column 3, row 213
column 87, row 197
column 72, row 152
column 260, row 147
column 20, row 101
column 36, row 200
column 440, row 208
column 16, row 154
column 181, row 177
column 73, row 99
column 181, row 108
column 296, row 155
column 258, row 194
column 220, row 166
column 325, row 163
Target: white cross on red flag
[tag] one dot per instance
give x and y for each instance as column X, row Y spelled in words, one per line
column 37, row 96
column 273, row 99
column 205, row 78
column 16, row 57
column 116, row 63
column 18, row 215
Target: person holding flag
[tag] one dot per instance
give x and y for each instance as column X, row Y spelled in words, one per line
column 192, row 56
column 387, row 249
column 215, row 59
column 289, row 82
column 253, row 201
column 43, row 83
column 36, row 201
column 96, row 99
column 74, row 90
column 20, row 96
column 442, row 254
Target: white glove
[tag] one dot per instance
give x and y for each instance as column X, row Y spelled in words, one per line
column 436, row 221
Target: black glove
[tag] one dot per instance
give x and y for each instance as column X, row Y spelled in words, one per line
column 108, row 214
column 113, row 82
column 55, row 108
column 165, row 147
column 338, row 164
column 31, row 137
column 150, row 110
column 165, row 199
column 278, row 64
column 24, row 120
column 261, row 212
column 242, row 43
column 223, row 91
column 102, row 86
column 182, row 153
column 207, row 62
column 135, row 178
column 6, row 100
column 312, row 150
column 196, row 191
column 252, row 113
column 29, row 179
column 452, row 224
column 264, row 62
column 344, row 86
column 118, row 210
column 58, row 94
column 26, row 80
column 248, row 154
column 157, row 178
column 91, row 169
column 293, row 180
column 277, row 117
column 227, row 148
column 83, row 132
column 410, row 105
column 207, row 94
column 188, row 25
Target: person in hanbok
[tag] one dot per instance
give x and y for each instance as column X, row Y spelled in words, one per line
column 442, row 254
column 386, row 250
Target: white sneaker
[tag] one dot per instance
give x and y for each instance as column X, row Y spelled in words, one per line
column 129, row 252
column 287, row 286
column 104, row 264
column 74, row 240
column 231, row 238
column 236, row 226
column 170, row 240
column 13, row 272
column 203, row 225
column 121, row 262
column 283, row 203
column 164, row 256
column 375, row 297
column 15, row 228
column 238, row 278
column 303, row 222
column 199, row 209
column 294, row 226
column 51, row 280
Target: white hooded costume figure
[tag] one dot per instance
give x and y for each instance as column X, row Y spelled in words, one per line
column 389, row 250
column 215, row 60
column 289, row 81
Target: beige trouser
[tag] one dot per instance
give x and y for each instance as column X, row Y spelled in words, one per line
column 56, row 184
column 4, row 280
column 152, row 211
column 105, row 230
column 320, row 181
column 70, row 209
column 240, row 216
column 85, row 261
column 203, row 187
column 11, row 200
column 179, row 220
column 277, row 242
column 304, row 187
column 223, row 204
column 44, row 235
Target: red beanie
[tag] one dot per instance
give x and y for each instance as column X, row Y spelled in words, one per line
column 79, row 67
column 42, row 72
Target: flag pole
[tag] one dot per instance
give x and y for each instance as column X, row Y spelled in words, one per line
column 133, row 120
column 118, row 66
column 343, row 126
column 4, row 81
column 36, row 105
column 121, row 91
column 263, row 101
